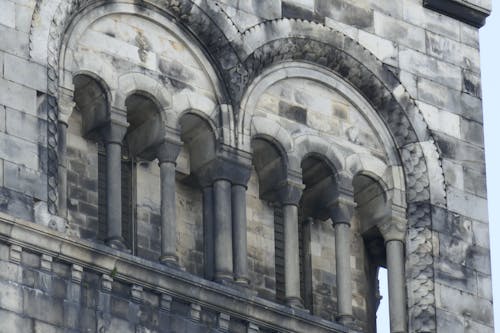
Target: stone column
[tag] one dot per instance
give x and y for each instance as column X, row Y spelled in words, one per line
column 167, row 155
column 62, row 185
column 223, row 231
column 66, row 106
column 290, row 195
column 208, row 231
column 240, row 178
column 113, row 136
column 394, row 232
column 341, row 213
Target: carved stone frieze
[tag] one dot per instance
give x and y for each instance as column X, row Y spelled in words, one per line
column 420, row 268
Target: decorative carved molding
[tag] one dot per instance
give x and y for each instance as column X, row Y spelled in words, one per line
column 420, row 268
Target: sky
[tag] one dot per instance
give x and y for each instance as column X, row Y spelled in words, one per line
column 490, row 73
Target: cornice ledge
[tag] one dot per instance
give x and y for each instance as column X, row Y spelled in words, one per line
column 461, row 10
column 154, row 276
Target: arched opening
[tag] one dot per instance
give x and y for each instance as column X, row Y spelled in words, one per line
column 140, row 209
column 269, row 163
column 319, row 181
column 82, row 158
column 195, row 195
column 371, row 200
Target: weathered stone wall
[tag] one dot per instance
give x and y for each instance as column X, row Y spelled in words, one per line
column 435, row 57
column 42, row 294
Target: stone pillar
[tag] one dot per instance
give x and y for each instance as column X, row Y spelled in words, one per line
column 208, row 231
column 394, row 231
column 63, row 170
column 66, row 106
column 223, row 231
column 341, row 213
column 113, row 136
column 290, row 195
column 239, row 217
column 167, row 155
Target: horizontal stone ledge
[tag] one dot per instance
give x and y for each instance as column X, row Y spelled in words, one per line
column 460, row 10
column 160, row 278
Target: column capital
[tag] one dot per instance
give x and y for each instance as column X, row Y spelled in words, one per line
column 342, row 208
column 393, row 228
column 289, row 191
column 66, row 105
column 168, row 150
column 231, row 167
column 114, row 131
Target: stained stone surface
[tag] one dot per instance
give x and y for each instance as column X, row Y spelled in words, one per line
column 402, row 105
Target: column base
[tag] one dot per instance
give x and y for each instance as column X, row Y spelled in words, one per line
column 117, row 243
column 345, row 319
column 169, row 260
column 295, row 302
column 242, row 281
column 224, row 278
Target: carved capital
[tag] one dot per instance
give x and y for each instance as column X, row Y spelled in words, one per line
column 232, row 167
column 114, row 132
column 290, row 191
column 168, row 151
column 342, row 209
column 66, row 105
column 393, row 229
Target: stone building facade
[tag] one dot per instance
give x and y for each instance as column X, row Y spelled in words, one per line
column 242, row 166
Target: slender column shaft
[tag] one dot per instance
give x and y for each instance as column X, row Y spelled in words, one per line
column 343, row 265
column 240, row 233
column 208, row 231
column 62, row 184
column 168, row 218
column 292, row 273
column 223, row 230
column 114, row 194
column 395, row 275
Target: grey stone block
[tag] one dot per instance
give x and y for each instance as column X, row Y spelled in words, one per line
column 11, row 296
column 467, row 204
column 430, row 68
column 478, row 258
column 24, row 72
column 8, row 14
column 41, row 327
column 19, row 151
column 475, row 180
column 266, row 10
column 16, row 204
column 18, row 97
column 462, row 303
column 36, row 305
column 472, row 131
column 455, row 275
column 24, row 180
column 26, row 126
column 12, row 322
column 24, row 14
column 345, row 12
column 399, row 31
column 2, row 116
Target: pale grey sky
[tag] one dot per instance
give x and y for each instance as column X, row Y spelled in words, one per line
column 490, row 71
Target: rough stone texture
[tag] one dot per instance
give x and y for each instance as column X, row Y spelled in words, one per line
column 417, row 74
